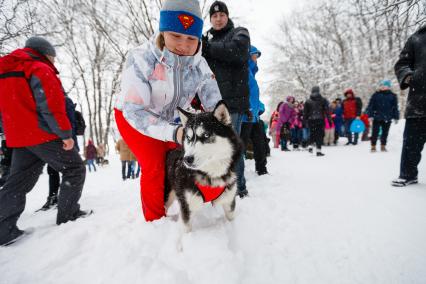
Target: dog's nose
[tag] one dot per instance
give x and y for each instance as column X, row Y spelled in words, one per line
column 189, row 160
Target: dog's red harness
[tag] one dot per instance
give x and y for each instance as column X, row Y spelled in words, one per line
column 210, row 193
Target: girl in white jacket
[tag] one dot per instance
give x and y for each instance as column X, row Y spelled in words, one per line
column 166, row 72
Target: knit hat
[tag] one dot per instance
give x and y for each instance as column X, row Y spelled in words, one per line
column 181, row 16
column 218, row 6
column 41, row 45
column 290, row 99
column 386, row 83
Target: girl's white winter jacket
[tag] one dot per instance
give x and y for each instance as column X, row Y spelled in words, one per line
column 154, row 83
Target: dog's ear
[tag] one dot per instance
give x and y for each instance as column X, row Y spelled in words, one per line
column 222, row 114
column 184, row 116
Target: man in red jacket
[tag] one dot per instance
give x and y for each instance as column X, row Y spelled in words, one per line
column 35, row 123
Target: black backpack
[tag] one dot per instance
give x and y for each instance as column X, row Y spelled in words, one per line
column 80, row 124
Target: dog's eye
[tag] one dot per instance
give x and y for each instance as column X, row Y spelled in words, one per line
column 206, row 135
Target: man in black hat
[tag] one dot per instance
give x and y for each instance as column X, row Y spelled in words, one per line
column 227, row 50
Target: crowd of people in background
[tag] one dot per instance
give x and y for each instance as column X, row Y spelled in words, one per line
column 318, row 122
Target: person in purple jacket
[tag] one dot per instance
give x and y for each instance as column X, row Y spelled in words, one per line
column 90, row 154
column 286, row 118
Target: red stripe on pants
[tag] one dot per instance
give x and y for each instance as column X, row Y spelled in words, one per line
column 151, row 155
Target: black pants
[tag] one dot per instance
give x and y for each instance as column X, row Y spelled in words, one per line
column 385, row 125
column 265, row 138
column 5, row 162
column 336, row 136
column 316, row 129
column 54, row 181
column 27, row 165
column 413, row 143
column 254, row 132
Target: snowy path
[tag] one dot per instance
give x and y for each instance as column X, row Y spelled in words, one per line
column 334, row 219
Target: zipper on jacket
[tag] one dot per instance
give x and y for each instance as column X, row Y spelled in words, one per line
column 177, row 96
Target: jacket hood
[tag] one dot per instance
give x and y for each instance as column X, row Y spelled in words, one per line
column 290, row 99
column 253, row 67
column 349, row 92
column 261, row 108
column 10, row 61
column 315, row 93
column 254, row 50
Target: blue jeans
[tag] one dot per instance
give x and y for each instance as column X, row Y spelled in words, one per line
column 91, row 163
column 237, row 119
column 305, row 137
column 138, row 170
column 296, row 136
column 132, row 168
column 131, row 171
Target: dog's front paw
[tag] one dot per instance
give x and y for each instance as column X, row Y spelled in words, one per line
column 230, row 215
column 187, row 228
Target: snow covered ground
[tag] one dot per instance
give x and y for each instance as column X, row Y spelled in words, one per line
column 333, row 219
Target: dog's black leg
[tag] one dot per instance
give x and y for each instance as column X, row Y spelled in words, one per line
column 185, row 214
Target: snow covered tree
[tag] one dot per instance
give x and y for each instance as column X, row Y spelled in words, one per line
column 342, row 44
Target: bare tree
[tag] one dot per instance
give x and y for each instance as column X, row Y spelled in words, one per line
column 96, row 36
column 18, row 20
column 341, row 44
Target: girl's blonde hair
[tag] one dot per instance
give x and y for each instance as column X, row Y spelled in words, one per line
column 160, row 41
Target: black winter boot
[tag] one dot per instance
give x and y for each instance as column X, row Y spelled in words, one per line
column 77, row 215
column 51, row 202
column 14, row 236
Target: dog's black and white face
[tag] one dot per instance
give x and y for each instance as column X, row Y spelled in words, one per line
column 210, row 144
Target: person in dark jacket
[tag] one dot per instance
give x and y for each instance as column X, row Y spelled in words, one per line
column 382, row 108
column 54, row 177
column 315, row 113
column 227, row 51
column 37, row 107
column 410, row 70
column 352, row 108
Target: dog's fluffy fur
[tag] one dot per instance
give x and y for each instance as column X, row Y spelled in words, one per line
column 209, row 154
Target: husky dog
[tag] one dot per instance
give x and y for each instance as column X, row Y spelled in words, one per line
column 203, row 169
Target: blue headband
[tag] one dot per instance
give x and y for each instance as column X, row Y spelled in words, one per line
column 181, row 22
